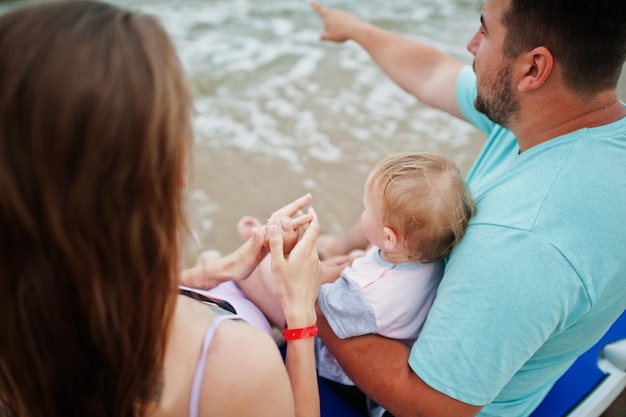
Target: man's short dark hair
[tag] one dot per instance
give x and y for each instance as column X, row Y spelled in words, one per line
column 587, row 38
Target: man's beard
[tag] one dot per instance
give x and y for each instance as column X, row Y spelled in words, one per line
column 498, row 104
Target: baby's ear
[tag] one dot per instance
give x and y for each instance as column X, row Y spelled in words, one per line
column 390, row 238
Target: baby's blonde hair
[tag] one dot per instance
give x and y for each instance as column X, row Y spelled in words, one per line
column 425, row 201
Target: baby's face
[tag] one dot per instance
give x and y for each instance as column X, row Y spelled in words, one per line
column 372, row 218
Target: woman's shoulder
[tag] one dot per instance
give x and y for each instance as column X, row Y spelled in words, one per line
column 243, row 374
column 245, row 361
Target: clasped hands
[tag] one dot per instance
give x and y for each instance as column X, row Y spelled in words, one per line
column 292, row 256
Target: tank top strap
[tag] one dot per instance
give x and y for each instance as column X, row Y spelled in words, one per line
column 194, row 401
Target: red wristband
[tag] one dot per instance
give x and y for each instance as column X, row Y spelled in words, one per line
column 303, row 333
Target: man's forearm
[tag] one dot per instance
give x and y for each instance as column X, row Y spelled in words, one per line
column 379, row 367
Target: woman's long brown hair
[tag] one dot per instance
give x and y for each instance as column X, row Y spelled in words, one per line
column 94, row 131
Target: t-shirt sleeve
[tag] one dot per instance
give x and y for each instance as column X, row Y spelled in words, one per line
column 346, row 309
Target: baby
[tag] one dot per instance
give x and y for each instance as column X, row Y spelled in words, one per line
column 416, row 208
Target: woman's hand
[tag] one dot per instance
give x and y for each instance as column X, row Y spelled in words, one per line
column 240, row 263
column 290, row 225
column 211, row 270
column 296, row 278
column 296, row 283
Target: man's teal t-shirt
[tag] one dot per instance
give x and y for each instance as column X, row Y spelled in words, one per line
column 541, row 272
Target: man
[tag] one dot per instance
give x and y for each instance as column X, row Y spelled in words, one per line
column 540, row 275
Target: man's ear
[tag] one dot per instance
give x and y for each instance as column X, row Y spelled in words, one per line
column 390, row 238
column 536, row 66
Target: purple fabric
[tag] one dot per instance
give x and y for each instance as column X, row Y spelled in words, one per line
column 246, row 310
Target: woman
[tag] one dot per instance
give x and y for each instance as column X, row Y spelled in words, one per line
column 95, row 133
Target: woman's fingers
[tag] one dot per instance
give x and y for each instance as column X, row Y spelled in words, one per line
column 292, row 208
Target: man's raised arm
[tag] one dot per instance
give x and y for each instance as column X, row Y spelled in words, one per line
column 380, row 368
column 423, row 71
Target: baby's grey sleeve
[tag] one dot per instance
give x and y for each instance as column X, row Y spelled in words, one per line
column 346, row 308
